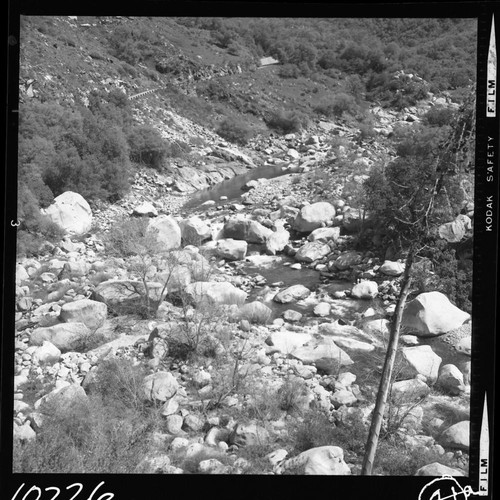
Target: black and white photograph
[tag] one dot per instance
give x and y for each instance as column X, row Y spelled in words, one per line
column 251, row 246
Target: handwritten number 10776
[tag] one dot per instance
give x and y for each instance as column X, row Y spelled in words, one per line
column 35, row 493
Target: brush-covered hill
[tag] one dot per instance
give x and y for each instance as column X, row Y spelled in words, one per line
column 103, row 98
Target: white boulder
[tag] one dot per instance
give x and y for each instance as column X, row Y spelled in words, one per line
column 89, row 312
column 431, row 314
column 422, row 360
column 71, row 212
column 313, row 216
column 166, row 231
column 365, row 290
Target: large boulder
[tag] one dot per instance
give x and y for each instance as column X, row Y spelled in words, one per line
column 457, row 436
column 422, row 360
column 431, row 314
column 406, row 391
column 365, row 290
column 116, row 291
column 248, row 230
column 311, row 251
column 451, row 380
column 194, row 231
column 71, row 213
column 89, row 312
column 65, row 336
column 255, row 312
column 231, row 249
column 438, row 470
column 215, row 293
column 166, row 231
column 324, row 353
column 66, row 397
column 292, row 294
column 391, row 268
column 74, row 270
column 320, row 461
column 313, row 216
column 287, row 342
column 248, row 435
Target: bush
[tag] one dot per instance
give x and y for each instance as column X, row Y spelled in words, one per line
column 286, row 122
column 107, row 434
column 317, row 429
column 147, row 147
column 82, row 150
column 234, row 130
column 289, row 71
column 341, row 104
column 35, row 228
column 366, row 132
column 293, row 395
column 439, row 116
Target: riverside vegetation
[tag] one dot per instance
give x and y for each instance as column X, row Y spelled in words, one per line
column 245, row 335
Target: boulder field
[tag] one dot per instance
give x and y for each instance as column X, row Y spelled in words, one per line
column 323, row 340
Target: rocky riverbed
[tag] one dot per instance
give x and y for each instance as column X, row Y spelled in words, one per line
column 322, row 328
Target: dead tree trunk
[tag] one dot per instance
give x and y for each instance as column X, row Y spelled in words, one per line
column 385, row 381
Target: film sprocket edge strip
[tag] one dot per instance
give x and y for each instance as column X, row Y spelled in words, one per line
column 483, row 339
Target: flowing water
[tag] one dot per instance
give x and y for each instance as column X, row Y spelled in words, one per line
column 232, row 188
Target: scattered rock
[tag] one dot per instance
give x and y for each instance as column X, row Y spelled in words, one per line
column 248, row 435
column 311, row 251
column 47, row 353
column 145, row 209
column 160, row 386
column 322, row 309
column 292, row 294
column 365, row 290
column 231, row 249
column 325, row 234
column 291, row 315
column 346, row 260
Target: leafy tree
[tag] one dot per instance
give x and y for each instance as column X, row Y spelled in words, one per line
column 410, row 198
column 147, row 147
